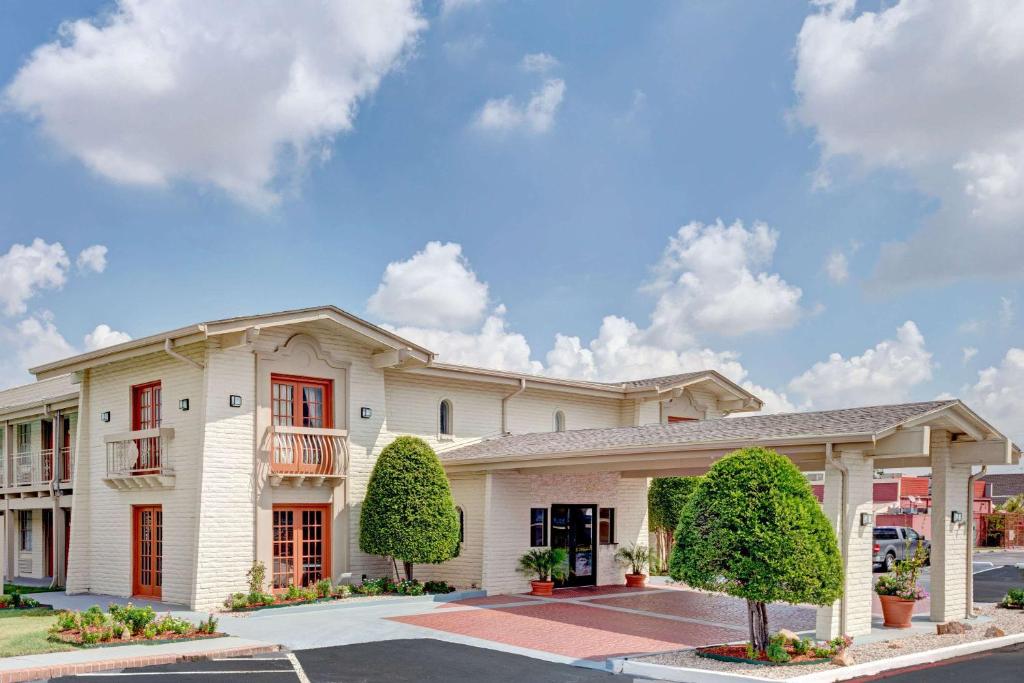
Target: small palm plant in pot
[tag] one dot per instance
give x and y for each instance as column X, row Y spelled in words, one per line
column 636, row 556
column 899, row 591
column 547, row 565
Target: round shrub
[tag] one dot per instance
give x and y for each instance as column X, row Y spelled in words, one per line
column 408, row 513
column 753, row 529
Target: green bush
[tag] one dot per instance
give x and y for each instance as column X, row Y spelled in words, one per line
column 408, row 512
column 409, row 587
column 169, row 624
column 324, row 588
column 776, row 650
column 6, row 601
column 256, row 575
column 754, row 530
column 377, row 586
column 438, row 587
column 150, row 632
column 66, row 621
column 1014, row 598
column 343, row 591
column 93, row 616
column 28, row 603
column 801, row 646
column 135, row 618
column 546, row 564
column 208, row 625
column 666, row 499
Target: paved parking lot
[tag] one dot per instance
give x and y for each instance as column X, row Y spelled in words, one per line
column 393, row 661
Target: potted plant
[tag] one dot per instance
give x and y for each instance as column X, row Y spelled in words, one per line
column 547, row 564
column 636, row 557
column 899, row 591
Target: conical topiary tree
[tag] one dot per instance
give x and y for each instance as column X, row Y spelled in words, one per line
column 408, row 513
column 753, row 529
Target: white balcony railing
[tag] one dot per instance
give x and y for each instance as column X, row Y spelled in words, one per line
column 32, row 468
column 309, row 451
column 139, row 453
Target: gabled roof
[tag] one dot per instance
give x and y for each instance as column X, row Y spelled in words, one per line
column 199, row 331
column 664, row 381
column 850, row 424
column 39, row 393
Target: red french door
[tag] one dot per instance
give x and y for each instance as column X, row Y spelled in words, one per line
column 147, row 550
column 302, row 545
column 146, row 415
column 301, row 402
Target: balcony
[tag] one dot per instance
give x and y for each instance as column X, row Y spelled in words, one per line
column 139, row 459
column 34, row 469
column 308, row 454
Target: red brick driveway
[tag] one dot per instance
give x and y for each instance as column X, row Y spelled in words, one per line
column 606, row 621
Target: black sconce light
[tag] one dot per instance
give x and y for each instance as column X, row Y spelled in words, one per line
column 366, row 413
column 956, row 517
column 105, row 416
column 865, row 519
column 183, row 404
column 235, row 401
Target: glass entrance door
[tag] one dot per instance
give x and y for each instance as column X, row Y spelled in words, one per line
column 573, row 528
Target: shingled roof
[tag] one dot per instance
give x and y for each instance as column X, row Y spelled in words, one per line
column 865, row 421
column 44, row 391
column 665, row 380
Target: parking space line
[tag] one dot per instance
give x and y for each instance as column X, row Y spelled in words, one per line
column 299, row 671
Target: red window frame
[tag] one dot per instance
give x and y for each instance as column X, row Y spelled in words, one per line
column 147, row 550
column 289, row 407
column 301, row 542
column 147, row 411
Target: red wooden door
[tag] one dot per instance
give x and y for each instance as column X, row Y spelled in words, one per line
column 147, row 551
column 146, row 415
column 302, row 545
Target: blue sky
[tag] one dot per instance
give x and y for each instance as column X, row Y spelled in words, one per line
column 641, row 122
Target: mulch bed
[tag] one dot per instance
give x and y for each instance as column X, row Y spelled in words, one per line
column 74, row 637
column 738, row 653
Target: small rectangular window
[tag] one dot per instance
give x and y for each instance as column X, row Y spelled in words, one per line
column 538, row 527
column 25, row 530
column 606, row 526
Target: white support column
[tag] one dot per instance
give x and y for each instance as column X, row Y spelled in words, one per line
column 855, row 542
column 949, row 539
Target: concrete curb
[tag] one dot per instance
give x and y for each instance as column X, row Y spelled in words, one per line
column 689, row 675
column 56, row 667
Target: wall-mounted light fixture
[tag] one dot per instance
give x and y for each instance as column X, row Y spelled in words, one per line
column 865, row 519
column 956, row 517
column 105, row 416
column 366, row 413
column 183, row 404
column 235, row 401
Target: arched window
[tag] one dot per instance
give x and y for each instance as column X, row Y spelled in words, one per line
column 462, row 523
column 444, row 421
column 559, row 421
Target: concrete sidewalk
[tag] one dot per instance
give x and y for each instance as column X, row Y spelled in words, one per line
column 54, row 664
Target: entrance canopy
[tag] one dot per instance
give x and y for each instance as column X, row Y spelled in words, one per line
column 893, row 435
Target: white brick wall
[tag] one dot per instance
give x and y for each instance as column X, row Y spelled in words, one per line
column 509, row 497
column 858, row 550
column 102, row 517
column 949, row 540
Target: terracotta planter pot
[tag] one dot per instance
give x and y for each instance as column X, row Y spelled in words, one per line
column 543, row 588
column 636, row 580
column 896, row 611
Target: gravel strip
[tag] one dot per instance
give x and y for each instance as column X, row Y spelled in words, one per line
column 1011, row 621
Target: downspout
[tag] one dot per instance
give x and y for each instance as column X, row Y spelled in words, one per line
column 969, row 568
column 169, row 349
column 504, row 404
column 843, row 536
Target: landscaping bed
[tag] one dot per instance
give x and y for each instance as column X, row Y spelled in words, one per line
column 1009, row 621
column 124, row 625
column 324, row 591
column 782, row 651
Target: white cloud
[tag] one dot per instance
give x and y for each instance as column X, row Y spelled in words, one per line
column 435, row 288
column 93, row 258
column 536, row 116
column 886, row 373
column 998, row 395
column 492, row 346
column 103, row 336
column 774, row 401
column 969, row 353
column 538, row 62
column 710, row 279
column 26, row 269
column 931, row 89
column 36, row 340
column 837, row 267
column 235, row 95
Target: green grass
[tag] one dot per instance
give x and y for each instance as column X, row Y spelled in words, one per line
column 11, row 587
column 24, row 632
